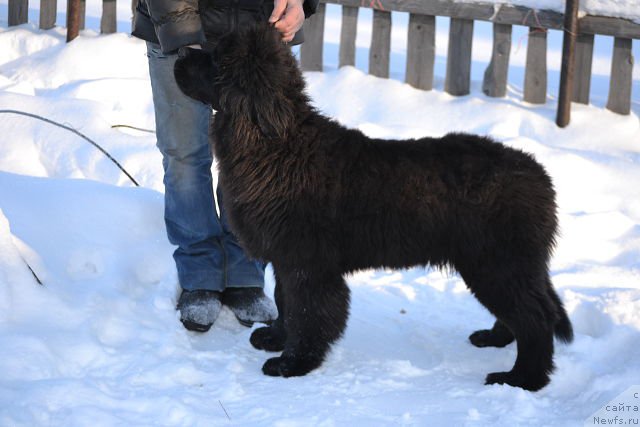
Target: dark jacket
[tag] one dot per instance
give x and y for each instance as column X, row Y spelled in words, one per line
column 177, row 23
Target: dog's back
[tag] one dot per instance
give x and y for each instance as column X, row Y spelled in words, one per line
column 436, row 201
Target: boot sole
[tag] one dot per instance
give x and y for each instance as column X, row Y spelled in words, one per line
column 249, row 323
column 196, row 327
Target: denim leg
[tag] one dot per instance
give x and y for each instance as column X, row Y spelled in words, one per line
column 241, row 271
column 192, row 224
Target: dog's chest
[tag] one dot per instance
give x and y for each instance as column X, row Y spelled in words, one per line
column 253, row 206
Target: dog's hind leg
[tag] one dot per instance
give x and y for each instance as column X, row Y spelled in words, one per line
column 316, row 307
column 498, row 336
column 519, row 300
column 534, row 362
column 272, row 337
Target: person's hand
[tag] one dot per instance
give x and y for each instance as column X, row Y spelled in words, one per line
column 287, row 17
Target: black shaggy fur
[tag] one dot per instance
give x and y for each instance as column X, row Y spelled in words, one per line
column 318, row 200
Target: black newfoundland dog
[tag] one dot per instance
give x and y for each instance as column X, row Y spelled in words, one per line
column 318, row 200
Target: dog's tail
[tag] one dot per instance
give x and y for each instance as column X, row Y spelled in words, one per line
column 562, row 328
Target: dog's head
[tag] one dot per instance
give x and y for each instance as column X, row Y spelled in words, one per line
column 250, row 75
column 195, row 73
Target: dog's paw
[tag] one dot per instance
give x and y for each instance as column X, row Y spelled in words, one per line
column 269, row 338
column 487, row 338
column 288, row 366
column 194, row 72
column 518, row 380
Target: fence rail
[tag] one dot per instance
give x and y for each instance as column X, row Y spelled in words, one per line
column 421, row 46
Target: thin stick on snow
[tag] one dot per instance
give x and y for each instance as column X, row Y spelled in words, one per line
column 33, row 273
column 133, row 127
column 70, row 129
column 225, row 411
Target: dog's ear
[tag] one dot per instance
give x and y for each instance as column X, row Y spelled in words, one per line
column 195, row 72
column 274, row 116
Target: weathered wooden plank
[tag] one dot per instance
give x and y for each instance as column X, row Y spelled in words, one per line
column 495, row 76
column 421, row 51
column 535, row 74
column 83, row 13
column 505, row 14
column 311, row 50
column 18, row 12
column 380, row 50
column 48, row 10
column 108, row 22
column 458, row 78
column 570, row 34
column 348, row 32
column 621, row 76
column 134, row 5
column 73, row 19
column 609, row 27
column 582, row 72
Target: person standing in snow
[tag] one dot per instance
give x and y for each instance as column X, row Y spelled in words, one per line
column 212, row 268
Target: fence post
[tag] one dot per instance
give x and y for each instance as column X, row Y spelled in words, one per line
column 134, row 6
column 108, row 22
column 421, row 51
column 582, row 73
column 380, row 44
column 83, row 13
column 348, row 36
column 48, row 10
column 535, row 73
column 568, row 57
column 621, row 77
column 495, row 76
column 73, row 19
column 311, row 50
column 458, row 78
column 18, row 12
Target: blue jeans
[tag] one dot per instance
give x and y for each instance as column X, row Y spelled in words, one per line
column 208, row 255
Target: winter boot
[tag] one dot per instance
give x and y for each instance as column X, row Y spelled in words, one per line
column 250, row 305
column 199, row 309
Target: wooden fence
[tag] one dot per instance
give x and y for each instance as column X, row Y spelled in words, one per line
column 421, row 43
column 18, row 14
column 421, row 46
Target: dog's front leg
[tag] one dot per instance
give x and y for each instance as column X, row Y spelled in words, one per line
column 272, row 337
column 316, row 307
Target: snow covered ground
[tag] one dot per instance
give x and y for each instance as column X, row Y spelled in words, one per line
column 100, row 343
